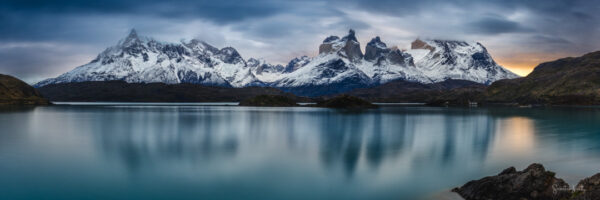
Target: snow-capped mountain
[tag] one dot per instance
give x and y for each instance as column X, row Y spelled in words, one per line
column 138, row 59
column 340, row 65
column 445, row 59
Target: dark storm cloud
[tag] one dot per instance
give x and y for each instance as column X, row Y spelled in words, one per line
column 495, row 25
column 224, row 11
column 43, row 38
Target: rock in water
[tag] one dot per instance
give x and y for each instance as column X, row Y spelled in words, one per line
column 16, row 92
column 532, row 183
column 346, row 101
column 269, row 101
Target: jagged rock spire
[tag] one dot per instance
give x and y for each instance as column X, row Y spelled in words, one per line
column 375, row 49
column 131, row 38
column 351, row 36
column 348, row 46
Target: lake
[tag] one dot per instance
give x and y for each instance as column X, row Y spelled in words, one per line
column 212, row 151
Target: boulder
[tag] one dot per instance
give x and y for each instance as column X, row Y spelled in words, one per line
column 588, row 188
column 532, row 183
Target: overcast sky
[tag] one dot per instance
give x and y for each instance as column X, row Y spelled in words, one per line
column 44, row 38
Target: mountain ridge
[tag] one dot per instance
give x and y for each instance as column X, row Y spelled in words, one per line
column 340, row 65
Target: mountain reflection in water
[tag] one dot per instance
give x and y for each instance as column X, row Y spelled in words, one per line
column 294, row 153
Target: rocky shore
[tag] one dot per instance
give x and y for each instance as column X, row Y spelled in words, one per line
column 534, row 182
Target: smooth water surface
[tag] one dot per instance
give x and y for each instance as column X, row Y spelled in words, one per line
column 227, row 152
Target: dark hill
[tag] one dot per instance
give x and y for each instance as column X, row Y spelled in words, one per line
column 120, row 91
column 16, row 92
column 567, row 81
column 346, row 101
column 405, row 91
column 269, row 101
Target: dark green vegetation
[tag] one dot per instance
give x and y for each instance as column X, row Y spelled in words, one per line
column 151, row 92
column 346, row 101
column 457, row 91
column 16, row 92
column 534, row 182
column 269, row 100
column 567, row 81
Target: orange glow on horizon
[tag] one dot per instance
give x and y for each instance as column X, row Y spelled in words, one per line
column 521, row 69
column 524, row 63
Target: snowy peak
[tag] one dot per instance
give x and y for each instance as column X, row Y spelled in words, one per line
column 138, row 59
column 200, row 46
column 351, row 36
column 451, row 59
column 347, row 47
column 132, row 37
column 260, row 66
column 230, row 55
column 296, row 64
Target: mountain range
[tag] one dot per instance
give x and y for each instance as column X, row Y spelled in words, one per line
column 339, row 67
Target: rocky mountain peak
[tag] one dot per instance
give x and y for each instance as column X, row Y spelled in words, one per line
column 229, row 55
column 132, row 33
column 199, row 45
column 420, row 44
column 296, row 63
column 376, row 42
column 351, row 36
column 399, row 57
column 347, row 47
column 132, row 38
column 375, row 49
column 331, row 39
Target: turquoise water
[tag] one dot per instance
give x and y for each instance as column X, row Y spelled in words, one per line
column 195, row 151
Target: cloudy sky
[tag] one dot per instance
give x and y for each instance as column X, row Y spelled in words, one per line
column 44, row 38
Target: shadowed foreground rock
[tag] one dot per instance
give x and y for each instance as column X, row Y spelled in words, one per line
column 532, row 183
column 588, row 188
column 269, row 101
column 346, row 101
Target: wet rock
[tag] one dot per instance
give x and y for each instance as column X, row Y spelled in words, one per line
column 532, row 183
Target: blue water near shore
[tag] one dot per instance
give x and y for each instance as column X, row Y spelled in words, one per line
column 196, row 151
